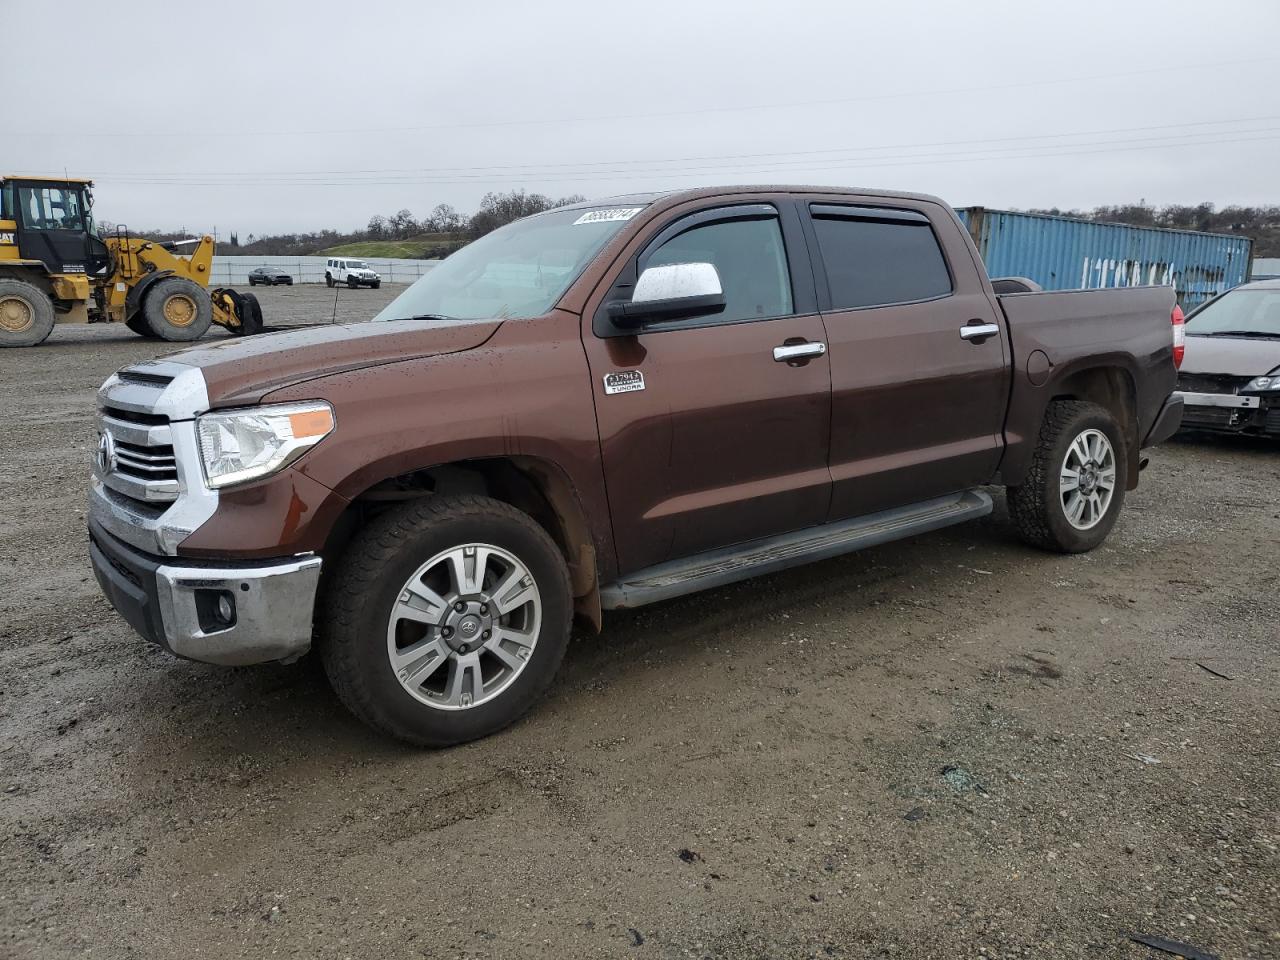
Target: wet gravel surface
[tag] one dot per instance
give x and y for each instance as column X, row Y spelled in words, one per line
column 953, row 746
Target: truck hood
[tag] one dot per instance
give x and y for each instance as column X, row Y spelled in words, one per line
column 1231, row 356
column 242, row 371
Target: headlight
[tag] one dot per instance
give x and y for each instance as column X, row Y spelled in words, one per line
column 242, row 445
column 1262, row 384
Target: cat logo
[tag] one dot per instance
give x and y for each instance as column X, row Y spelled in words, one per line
column 6, row 238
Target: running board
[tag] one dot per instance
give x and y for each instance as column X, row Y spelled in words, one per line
column 745, row 560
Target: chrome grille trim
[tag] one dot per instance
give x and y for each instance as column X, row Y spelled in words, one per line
column 155, row 495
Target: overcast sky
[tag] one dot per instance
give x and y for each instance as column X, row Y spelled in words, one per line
column 291, row 116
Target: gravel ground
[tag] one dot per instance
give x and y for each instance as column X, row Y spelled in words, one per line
column 952, row 746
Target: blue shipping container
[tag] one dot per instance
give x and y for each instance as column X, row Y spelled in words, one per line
column 1062, row 253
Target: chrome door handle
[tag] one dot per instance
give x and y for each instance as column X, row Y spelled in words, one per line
column 979, row 331
column 798, row 351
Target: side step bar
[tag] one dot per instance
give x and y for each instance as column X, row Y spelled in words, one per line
column 745, row 560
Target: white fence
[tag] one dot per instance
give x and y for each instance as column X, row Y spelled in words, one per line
column 234, row 271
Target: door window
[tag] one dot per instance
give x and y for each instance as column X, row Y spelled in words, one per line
column 873, row 262
column 50, row 208
column 750, row 258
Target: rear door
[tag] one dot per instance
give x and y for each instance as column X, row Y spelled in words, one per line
column 919, row 356
column 715, row 442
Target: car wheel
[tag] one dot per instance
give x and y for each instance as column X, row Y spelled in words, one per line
column 446, row 619
column 177, row 309
column 377, row 284
column 328, row 280
column 352, row 282
column 1075, row 489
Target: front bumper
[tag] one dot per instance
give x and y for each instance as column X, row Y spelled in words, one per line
column 176, row 603
column 1230, row 413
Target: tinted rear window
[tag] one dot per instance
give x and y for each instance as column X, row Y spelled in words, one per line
column 876, row 262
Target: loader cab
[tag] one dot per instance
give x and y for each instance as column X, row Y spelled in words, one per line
column 53, row 223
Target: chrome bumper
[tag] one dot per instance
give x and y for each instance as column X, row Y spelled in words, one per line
column 226, row 614
column 1219, row 400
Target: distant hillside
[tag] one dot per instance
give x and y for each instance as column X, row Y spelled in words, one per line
column 425, row 246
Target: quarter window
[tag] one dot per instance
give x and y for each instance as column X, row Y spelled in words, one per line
column 873, row 262
column 749, row 256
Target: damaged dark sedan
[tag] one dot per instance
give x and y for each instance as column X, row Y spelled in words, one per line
column 1230, row 375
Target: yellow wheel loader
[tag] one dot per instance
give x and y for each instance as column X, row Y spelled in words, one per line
column 55, row 268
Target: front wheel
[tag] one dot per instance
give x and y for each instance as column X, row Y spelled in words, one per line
column 177, row 309
column 1074, row 491
column 446, row 619
column 377, row 284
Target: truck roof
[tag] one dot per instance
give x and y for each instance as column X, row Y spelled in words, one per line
column 644, row 199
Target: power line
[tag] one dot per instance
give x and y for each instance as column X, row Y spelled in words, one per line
column 1008, row 153
column 542, row 167
column 1183, row 68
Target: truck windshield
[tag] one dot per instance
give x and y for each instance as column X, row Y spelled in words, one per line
column 357, row 265
column 516, row 272
column 1240, row 312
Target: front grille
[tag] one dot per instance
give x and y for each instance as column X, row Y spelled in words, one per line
column 146, row 462
column 1220, row 417
column 1210, row 383
column 134, row 416
column 144, row 469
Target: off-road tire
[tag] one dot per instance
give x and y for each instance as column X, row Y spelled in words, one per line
column 358, row 596
column 138, row 324
column 352, row 282
column 196, row 309
column 250, row 312
column 26, row 314
column 377, row 284
column 1036, row 507
column 328, row 280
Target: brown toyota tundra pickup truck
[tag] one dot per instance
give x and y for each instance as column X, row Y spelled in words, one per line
column 604, row 406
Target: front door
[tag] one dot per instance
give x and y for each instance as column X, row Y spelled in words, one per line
column 53, row 226
column 919, row 357
column 707, row 439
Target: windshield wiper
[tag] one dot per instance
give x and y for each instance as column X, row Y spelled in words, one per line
column 429, row 316
column 1235, row 333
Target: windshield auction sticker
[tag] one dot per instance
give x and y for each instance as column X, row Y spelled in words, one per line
column 608, row 216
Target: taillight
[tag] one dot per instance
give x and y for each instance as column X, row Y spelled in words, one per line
column 1179, row 336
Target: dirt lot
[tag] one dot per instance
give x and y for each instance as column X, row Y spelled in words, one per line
column 940, row 748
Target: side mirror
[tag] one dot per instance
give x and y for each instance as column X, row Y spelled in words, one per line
column 671, row 292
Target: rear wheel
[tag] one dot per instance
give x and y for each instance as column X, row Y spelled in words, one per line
column 446, row 619
column 177, row 309
column 1075, row 489
column 26, row 314
column 328, row 280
